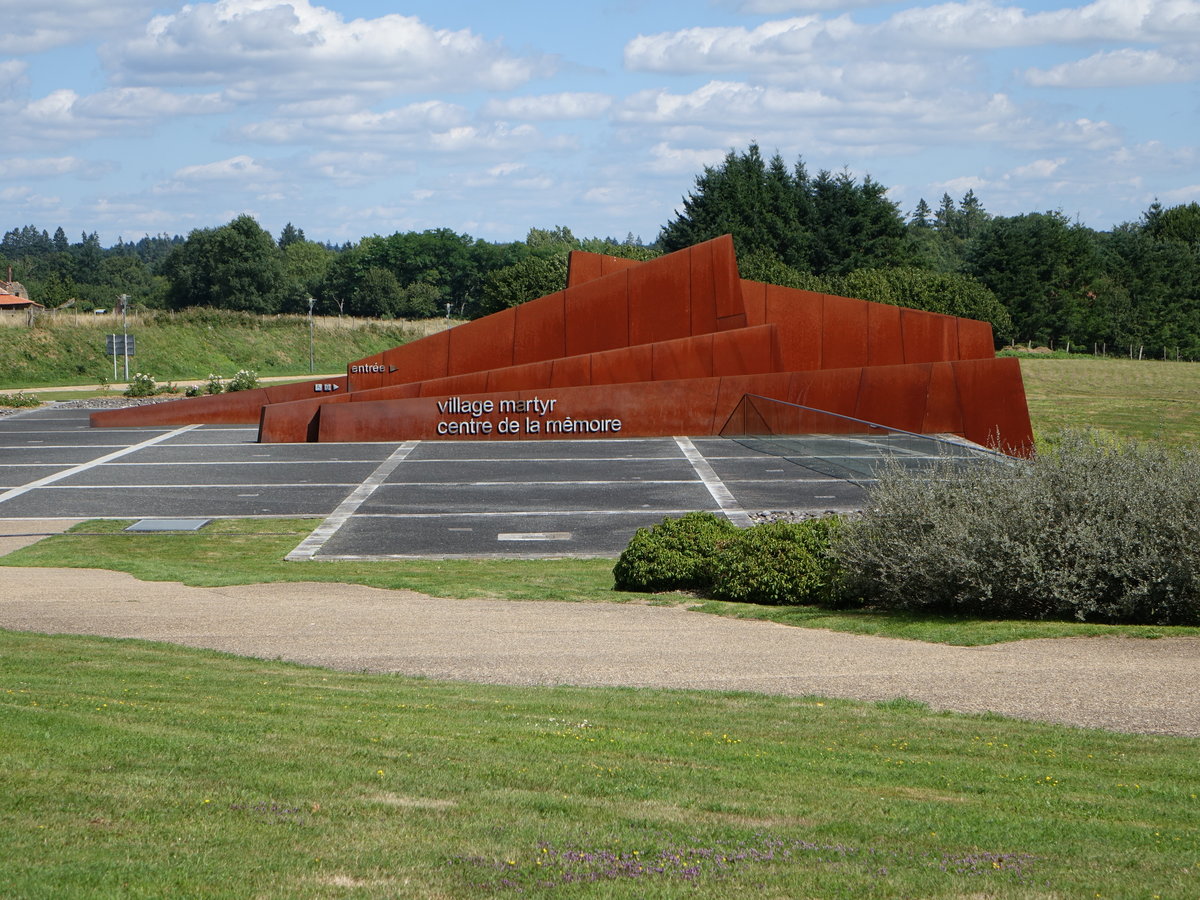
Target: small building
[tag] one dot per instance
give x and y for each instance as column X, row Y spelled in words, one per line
column 13, row 305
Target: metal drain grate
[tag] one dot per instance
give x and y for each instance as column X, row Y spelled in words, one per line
column 168, row 525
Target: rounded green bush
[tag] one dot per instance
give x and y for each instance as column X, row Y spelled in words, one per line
column 778, row 563
column 675, row 555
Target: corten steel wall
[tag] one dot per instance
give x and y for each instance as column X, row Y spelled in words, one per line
column 609, row 303
column 668, row 346
column 742, row 352
column 924, row 397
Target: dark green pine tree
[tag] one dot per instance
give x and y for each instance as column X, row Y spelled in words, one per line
column 827, row 224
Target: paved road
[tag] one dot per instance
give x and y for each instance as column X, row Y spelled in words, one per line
column 468, row 498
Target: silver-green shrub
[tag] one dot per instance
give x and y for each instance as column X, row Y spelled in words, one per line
column 1091, row 530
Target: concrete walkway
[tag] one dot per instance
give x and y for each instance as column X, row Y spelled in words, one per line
column 1122, row 684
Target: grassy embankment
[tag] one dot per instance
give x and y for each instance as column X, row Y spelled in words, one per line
column 66, row 350
column 137, row 770
column 140, row 770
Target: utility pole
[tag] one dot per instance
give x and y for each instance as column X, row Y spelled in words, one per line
column 124, row 298
column 312, row 301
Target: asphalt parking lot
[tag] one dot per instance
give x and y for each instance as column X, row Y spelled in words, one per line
column 417, row 499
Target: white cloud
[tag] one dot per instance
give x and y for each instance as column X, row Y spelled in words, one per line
column 547, row 107
column 236, row 168
column 1087, row 133
column 775, row 7
column 349, row 124
column 470, row 138
column 916, row 32
column 25, row 198
column 134, row 103
column 721, row 102
column 290, row 48
column 239, row 173
column 13, row 78
column 355, row 167
column 1176, row 196
column 34, row 27
column 870, row 120
column 957, row 186
column 726, row 49
column 1039, row 168
column 46, row 167
column 505, row 169
column 978, row 24
column 64, row 116
column 1116, row 68
column 668, row 160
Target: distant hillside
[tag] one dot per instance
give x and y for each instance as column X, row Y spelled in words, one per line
column 69, row 349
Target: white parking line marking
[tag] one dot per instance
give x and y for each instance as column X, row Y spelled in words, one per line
column 311, row 545
column 729, row 505
column 534, row 536
column 75, row 470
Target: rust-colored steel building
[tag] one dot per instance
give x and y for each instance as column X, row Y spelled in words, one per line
column 667, row 347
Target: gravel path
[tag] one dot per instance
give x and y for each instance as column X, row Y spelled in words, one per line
column 1122, row 684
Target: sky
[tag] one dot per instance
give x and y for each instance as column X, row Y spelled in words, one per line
column 353, row 117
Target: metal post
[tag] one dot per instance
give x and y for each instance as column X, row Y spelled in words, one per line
column 124, row 298
column 312, row 301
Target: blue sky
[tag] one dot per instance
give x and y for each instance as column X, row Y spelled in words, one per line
column 352, row 117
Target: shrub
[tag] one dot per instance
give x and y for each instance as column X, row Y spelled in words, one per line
column 20, row 399
column 779, row 563
column 676, row 554
column 142, row 385
column 244, row 380
column 1094, row 531
column 212, row 385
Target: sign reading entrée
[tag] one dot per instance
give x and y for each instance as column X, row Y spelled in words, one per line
column 475, row 424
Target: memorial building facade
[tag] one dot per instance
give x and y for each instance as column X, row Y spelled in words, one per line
column 672, row 346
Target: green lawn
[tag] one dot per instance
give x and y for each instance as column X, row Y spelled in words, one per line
column 139, row 770
column 1144, row 399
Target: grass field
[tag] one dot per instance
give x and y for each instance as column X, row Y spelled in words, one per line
column 139, row 770
column 1144, row 399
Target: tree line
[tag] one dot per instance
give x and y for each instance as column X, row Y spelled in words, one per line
column 1037, row 277
column 240, row 266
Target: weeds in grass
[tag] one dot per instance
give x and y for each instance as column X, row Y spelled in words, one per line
column 694, row 861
